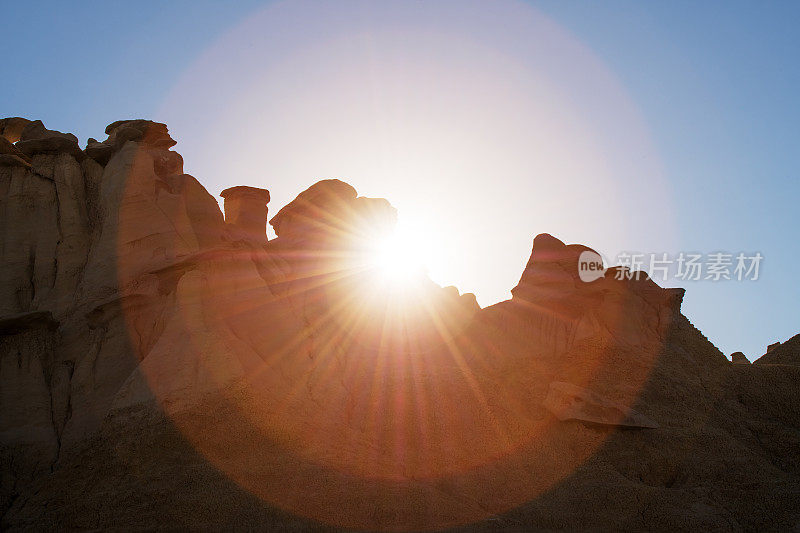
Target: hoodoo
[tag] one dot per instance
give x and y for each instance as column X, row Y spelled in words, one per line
column 246, row 211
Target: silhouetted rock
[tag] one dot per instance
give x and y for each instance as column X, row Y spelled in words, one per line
column 331, row 210
column 782, row 353
column 164, row 367
column 36, row 139
column 11, row 128
column 738, row 358
column 99, row 151
column 150, row 133
column 773, row 346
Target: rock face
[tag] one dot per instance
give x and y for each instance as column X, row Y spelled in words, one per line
column 163, row 366
column 785, row 353
column 570, row 402
column 10, row 156
column 32, row 395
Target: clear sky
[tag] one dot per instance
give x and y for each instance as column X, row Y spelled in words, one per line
column 653, row 127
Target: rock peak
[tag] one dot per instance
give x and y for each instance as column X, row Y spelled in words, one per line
column 330, row 211
column 246, row 211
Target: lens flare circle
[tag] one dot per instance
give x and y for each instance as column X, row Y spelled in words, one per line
column 489, row 125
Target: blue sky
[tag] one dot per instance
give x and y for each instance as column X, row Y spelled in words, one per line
column 718, row 82
column 714, row 82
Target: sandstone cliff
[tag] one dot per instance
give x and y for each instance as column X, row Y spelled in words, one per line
column 164, row 365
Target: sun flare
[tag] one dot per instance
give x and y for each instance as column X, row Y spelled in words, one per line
column 397, row 259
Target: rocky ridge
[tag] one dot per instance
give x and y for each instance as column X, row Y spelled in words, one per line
column 786, row 353
column 163, row 364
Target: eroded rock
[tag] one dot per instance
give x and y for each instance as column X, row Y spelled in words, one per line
column 99, row 151
column 36, row 139
column 179, row 361
column 738, row 358
column 11, row 325
column 570, row 402
column 783, row 353
column 246, row 212
column 11, row 128
column 150, row 133
column 10, row 156
column 29, row 441
column 330, row 210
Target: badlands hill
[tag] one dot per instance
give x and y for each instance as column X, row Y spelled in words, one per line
column 165, row 366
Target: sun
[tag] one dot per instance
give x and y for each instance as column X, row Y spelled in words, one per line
column 396, row 259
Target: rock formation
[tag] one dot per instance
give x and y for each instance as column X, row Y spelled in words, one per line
column 165, row 366
column 782, row 353
column 246, row 211
column 738, row 358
